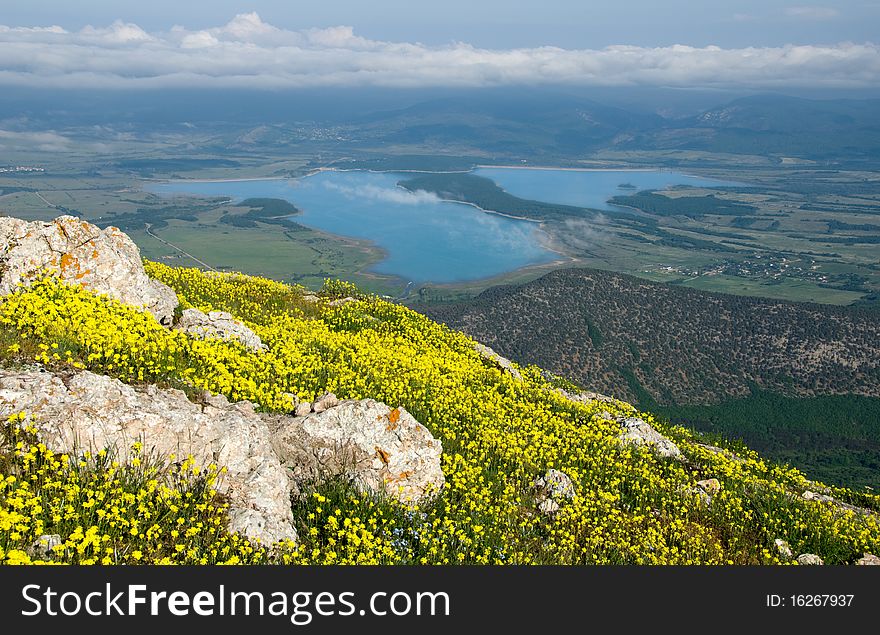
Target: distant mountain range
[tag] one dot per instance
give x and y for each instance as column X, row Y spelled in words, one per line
column 548, row 125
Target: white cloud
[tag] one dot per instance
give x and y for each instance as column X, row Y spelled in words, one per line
column 249, row 53
column 386, row 194
column 812, row 13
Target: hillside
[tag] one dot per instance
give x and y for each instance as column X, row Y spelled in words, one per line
column 646, row 341
column 799, row 382
column 402, row 441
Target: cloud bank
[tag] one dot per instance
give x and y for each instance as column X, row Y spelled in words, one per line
column 249, row 53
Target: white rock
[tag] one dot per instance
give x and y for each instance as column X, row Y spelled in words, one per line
column 218, row 325
column 809, row 559
column 105, row 261
column 93, row 412
column 554, row 484
column 783, row 548
column 379, row 448
column 636, row 431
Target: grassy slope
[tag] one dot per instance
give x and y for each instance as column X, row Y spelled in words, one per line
column 498, row 434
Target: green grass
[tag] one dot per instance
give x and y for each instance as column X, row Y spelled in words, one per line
column 304, row 256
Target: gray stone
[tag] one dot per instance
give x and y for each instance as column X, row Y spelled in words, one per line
column 218, row 325
column 554, row 484
column 379, row 448
column 636, row 431
column 93, row 412
column 104, row 261
column 809, row 559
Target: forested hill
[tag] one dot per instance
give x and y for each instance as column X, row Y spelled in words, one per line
column 649, row 342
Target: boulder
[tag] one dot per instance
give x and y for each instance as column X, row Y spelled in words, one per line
column 809, row 559
column 379, row 448
column 636, row 431
column 502, row 362
column 218, row 325
column 92, row 412
column 105, row 261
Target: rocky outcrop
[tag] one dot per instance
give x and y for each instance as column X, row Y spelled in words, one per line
column 218, row 325
column 584, row 397
column 91, row 412
column 635, row 431
column 379, row 448
column 105, row 261
column 502, row 362
column 551, row 490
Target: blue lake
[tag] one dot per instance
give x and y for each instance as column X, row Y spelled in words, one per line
column 427, row 239
column 587, row 188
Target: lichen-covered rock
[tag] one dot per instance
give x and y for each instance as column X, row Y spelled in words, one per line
column 502, row 362
column 92, row 412
column 218, row 325
column 636, row 431
column 379, row 448
column 104, row 261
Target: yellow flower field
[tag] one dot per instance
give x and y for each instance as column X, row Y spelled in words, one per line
column 498, row 435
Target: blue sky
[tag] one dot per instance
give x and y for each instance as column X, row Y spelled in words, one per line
column 497, row 23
